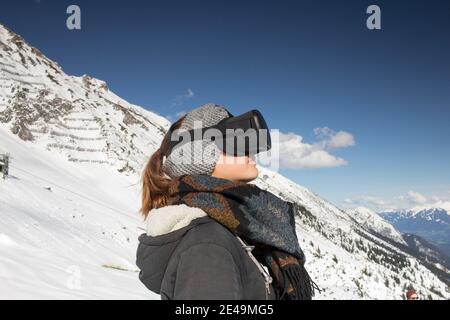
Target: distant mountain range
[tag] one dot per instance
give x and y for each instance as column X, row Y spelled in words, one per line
column 430, row 223
column 430, row 255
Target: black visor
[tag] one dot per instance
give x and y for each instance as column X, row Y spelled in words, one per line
column 242, row 135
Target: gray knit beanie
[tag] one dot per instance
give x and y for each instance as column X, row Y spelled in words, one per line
column 198, row 156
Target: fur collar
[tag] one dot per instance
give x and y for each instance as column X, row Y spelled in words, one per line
column 170, row 218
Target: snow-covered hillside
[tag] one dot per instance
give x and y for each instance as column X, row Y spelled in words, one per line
column 70, row 203
column 78, row 117
column 373, row 221
column 430, row 253
column 350, row 260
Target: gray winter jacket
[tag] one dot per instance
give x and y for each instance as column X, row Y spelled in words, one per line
column 186, row 255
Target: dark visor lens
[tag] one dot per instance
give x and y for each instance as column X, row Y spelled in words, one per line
column 245, row 135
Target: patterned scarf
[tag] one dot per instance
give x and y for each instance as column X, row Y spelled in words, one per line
column 260, row 218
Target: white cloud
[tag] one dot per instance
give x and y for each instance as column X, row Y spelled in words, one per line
column 411, row 200
column 419, row 201
column 435, row 199
column 189, row 94
column 179, row 100
column 374, row 203
column 296, row 154
column 415, row 197
column 334, row 140
column 342, row 139
column 442, row 204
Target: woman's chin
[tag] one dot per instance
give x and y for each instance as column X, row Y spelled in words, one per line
column 250, row 174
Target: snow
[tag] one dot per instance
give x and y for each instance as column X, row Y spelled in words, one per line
column 45, row 233
column 373, row 221
column 6, row 241
column 440, row 205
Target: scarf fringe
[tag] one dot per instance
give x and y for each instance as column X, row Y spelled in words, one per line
column 297, row 278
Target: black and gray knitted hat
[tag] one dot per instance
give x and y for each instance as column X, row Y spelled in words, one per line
column 198, row 156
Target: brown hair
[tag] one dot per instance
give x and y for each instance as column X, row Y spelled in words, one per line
column 155, row 184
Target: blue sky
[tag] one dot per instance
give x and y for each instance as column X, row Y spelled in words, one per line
column 304, row 64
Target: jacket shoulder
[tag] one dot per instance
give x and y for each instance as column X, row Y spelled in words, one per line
column 206, row 244
column 210, row 232
column 211, row 243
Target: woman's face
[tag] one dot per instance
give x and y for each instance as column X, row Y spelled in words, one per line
column 236, row 168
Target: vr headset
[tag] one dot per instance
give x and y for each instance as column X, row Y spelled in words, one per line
column 243, row 135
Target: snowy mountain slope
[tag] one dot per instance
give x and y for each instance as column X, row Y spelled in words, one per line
column 76, row 116
column 373, row 221
column 45, row 235
column 72, row 197
column 430, row 254
column 349, row 260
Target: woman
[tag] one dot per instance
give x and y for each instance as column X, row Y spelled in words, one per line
column 210, row 234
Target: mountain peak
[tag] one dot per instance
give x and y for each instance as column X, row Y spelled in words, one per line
column 77, row 117
column 438, row 206
column 374, row 222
